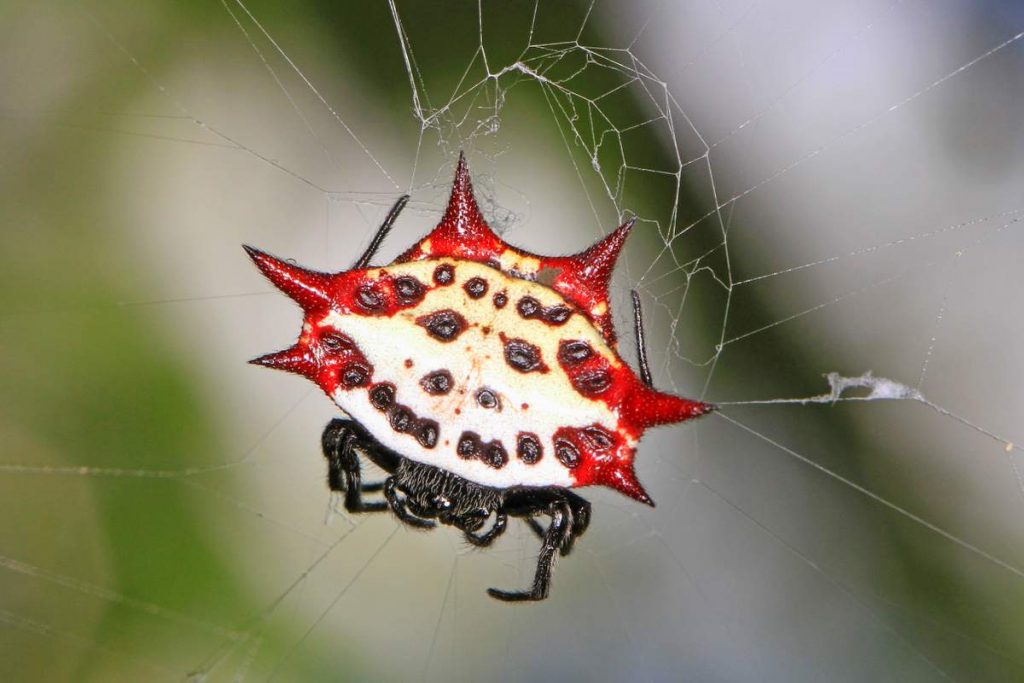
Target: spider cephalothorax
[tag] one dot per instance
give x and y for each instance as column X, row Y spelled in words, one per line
column 483, row 378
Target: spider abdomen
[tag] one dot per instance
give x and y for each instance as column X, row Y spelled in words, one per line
column 492, row 378
column 478, row 358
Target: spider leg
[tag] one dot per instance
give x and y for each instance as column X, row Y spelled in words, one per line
column 397, row 504
column 556, row 537
column 641, row 346
column 580, row 521
column 339, row 441
column 382, row 232
column 485, row 539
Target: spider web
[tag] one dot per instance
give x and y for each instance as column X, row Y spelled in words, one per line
column 828, row 246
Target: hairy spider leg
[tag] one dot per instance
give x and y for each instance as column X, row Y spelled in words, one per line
column 339, row 441
column 382, row 232
column 570, row 516
column 641, row 344
column 581, row 518
column 486, row 539
column 398, row 506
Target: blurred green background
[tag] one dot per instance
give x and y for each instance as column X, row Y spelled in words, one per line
column 164, row 514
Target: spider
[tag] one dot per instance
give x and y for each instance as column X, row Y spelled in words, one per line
column 484, row 379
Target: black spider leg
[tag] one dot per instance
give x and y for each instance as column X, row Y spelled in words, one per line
column 641, row 345
column 581, row 520
column 398, row 506
column 485, row 539
column 339, row 441
column 382, row 232
column 561, row 506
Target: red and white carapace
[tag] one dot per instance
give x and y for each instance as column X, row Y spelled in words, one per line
column 484, row 378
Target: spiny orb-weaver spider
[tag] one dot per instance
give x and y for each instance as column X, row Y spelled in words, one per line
column 483, row 378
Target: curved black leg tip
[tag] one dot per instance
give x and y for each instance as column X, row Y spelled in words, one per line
column 417, row 523
column 513, row 596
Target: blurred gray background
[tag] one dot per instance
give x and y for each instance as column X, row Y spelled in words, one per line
column 821, row 187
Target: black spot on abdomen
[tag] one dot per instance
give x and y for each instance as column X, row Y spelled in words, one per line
column 494, row 454
column 401, row 418
column 426, row 433
column 491, row 453
column 475, row 287
column 573, row 352
column 409, row 289
column 524, row 356
column 528, row 307
column 529, row 448
column 444, row 325
column 557, row 315
column 488, row 399
column 598, row 438
column 567, row 453
column 469, row 445
column 444, row 274
column 382, row 396
column 369, row 297
column 592, row 383
column 354, row 375
column 437, row 383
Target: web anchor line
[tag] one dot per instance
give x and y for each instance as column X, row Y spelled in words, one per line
column 881, row 389
column 879, row 499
